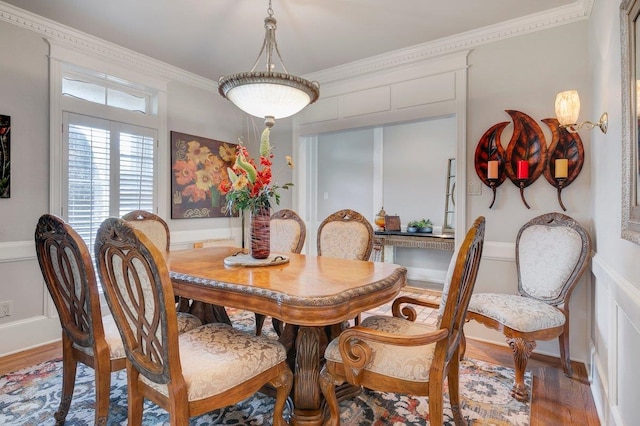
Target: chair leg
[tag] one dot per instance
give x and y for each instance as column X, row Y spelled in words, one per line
column 69, row 365
column 436, row 389
column 134, row 397
column 259, row 323
column 565, row 357
column 278, row 326
column 328, row 388
column 521, row 351
column 283, row 385
column 102, row 369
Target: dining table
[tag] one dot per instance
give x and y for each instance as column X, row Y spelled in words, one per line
column 315, row 296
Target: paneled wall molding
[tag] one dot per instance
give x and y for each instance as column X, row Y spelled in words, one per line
column 609, row 369
column 570, row 13
column 625, row 295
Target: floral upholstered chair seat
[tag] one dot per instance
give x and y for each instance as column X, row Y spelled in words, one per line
column 209, row 353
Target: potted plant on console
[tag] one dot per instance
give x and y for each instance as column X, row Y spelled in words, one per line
column 423, row 226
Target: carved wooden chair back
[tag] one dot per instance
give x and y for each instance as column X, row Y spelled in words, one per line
column 345, row 234
column 397, row 354
column 187, row 376
column 69, row 274
column 552, row 253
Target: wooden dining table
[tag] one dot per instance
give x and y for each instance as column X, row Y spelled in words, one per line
column 314, row 296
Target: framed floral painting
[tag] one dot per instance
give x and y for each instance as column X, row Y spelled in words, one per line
column 198, row 165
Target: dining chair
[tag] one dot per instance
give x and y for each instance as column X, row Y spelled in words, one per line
column 552, row 253
column 87, row 337
column 396, row 354
column 158, row 232
column 288, row 232
column 345, row 234
column 207, row 368
column 152, row 225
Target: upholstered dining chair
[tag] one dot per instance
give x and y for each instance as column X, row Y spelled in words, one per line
column 87, row 337
column 397, row 354
column 153, row 226
column 345, row 234
column 288, row 232
column 158, row 232
column 552, row 252
column 207, row 368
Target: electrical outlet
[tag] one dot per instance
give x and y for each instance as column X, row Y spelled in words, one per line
column 5, row 308
column 474, row 188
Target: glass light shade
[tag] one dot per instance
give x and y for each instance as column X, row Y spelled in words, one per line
column 567, row 107
column 264, row 94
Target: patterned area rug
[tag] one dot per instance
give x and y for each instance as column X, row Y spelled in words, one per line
column 31, row 396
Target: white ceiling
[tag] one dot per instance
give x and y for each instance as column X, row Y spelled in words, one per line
column 219, row 37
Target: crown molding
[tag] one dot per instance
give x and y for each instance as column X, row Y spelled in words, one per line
column 61, row 34
column 57, row 33
column 574, row 12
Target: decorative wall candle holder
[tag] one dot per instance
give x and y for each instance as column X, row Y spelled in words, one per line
column 527, row 156
column 526, row 153
column 489, row 159
column 566, row 157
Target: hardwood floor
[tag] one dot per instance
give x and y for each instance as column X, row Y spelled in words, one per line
column 557, row 399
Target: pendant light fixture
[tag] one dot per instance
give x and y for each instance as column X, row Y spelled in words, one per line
column 269, row 94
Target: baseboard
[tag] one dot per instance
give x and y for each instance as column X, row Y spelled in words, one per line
column 29, row 333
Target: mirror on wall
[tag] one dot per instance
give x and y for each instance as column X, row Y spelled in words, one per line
column 630, row 34
column 450, row 199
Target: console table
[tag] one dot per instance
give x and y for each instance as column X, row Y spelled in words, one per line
column 391, row 239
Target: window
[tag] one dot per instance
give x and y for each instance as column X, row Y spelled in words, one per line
column 110, row 171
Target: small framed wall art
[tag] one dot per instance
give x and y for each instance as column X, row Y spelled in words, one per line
column 5, row 156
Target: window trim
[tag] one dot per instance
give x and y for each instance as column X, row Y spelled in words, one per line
column 63, row 60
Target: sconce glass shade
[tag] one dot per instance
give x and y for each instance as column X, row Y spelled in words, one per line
column 567, row 107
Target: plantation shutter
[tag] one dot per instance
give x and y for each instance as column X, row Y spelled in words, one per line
column 110, row 171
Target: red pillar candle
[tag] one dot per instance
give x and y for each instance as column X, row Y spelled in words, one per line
column 523, row 169
column 492, row 169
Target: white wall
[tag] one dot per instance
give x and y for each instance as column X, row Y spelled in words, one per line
column 524, row 74
column 615, row 327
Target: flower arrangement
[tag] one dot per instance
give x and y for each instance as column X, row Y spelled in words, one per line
column 248, row 186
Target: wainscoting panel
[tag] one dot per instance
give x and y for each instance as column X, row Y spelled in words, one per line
column 615, row 344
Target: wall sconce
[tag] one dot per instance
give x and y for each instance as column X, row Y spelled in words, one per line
column 568, row 110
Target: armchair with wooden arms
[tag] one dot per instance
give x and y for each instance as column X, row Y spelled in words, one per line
column 204, row 369
column 552, row 252
column 396, row 354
